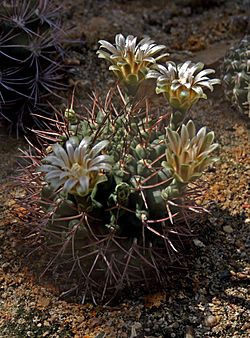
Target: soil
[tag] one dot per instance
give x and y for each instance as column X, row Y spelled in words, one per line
column 209, row 297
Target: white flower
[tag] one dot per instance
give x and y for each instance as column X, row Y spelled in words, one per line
column 77, row 169
column 130, row 60
column 182, row 84
column 188, row 153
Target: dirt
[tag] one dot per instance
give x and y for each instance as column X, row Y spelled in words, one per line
column 210, row 296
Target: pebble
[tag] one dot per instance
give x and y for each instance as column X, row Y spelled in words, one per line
column 6, row 266
column 211, row 321
column 137, row 326
column 189, row 332
column 175, row 325
column 224, row 275
column 228, row 229
column 2, row 232
column 247, row 244
column 21, row 321
column 72, row 61
column 239, row 244
column 198, row 243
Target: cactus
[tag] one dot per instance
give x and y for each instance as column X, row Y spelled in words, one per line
column 30, row 59
column 236, row 76
column 117, row 189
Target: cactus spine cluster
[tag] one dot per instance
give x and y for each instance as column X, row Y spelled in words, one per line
column 236, row 75
column 30, row 59
column 117, row 187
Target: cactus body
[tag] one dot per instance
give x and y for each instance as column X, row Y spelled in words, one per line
column 236, row 76
column 30, row 58
column 119, row 187
column 117, row 198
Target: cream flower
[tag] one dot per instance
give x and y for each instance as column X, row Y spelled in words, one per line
column 189, row 153
column 77, row 169
column 182, row 84
column 130, row 60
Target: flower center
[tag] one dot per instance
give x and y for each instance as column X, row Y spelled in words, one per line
column 77, row 170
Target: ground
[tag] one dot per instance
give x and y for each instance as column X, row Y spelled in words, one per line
column 210, row 296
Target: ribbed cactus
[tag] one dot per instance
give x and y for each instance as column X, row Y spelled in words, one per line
column 30, row 59
column 115, row 191
column 236, row 75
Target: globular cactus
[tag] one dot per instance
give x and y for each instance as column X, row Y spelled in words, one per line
column 30, row 59
column 236, row 75
column 116, row 191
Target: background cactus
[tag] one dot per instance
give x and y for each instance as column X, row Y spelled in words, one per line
column 118, row 192
column 236, row 75
column 30, row 59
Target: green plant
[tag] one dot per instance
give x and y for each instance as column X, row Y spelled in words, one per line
column 236, row 75
column 119, row 187
column 31, row 58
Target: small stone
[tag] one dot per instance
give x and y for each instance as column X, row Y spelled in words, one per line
column 6, row 266
column 189, row 332
column 198, row 243
column 1, row 234
column 175, row 325
column 211, row 321
column 101, row 335
column 224, row 275
column 72, row 61
column 43, row 302
column 21, row 321
column 239, row 244
column 228, row 229
column 246, row 327
column 134, row 328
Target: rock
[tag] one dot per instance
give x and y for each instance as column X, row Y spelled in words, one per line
column 134, row 328
column 216, row 53
column 72, row 61
column 189, row 332
column 228, row 229
column 211, row 321
column 198, row 243
column 43, row 302
column 101, row 335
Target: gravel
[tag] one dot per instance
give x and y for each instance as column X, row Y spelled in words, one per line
column 208, row 294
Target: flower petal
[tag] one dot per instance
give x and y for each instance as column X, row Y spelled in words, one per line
column 69, row 185
column 83, row 187
column 61, row 153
